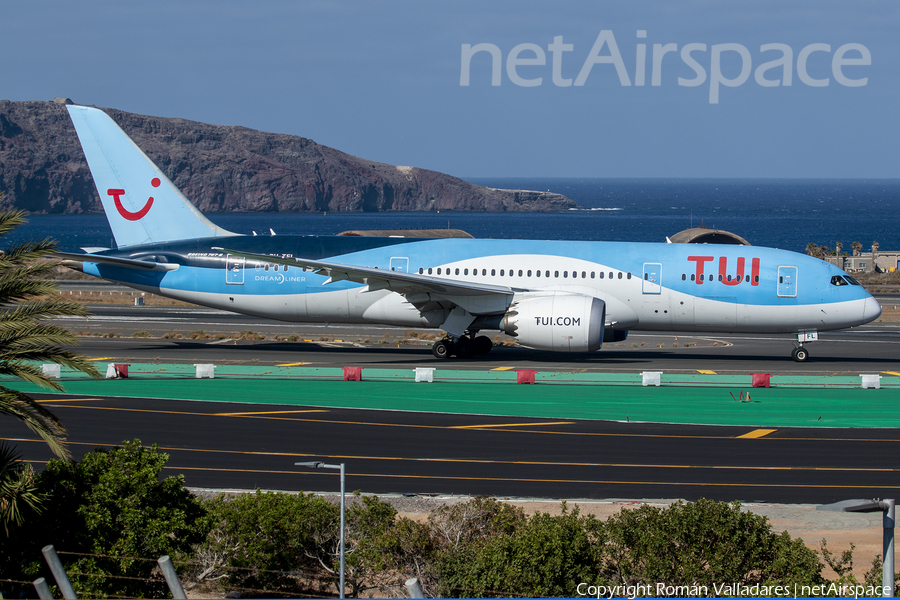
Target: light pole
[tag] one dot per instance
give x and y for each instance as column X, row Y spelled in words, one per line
column 320, row 465
column 887, row 508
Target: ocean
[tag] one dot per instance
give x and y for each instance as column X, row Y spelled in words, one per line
column 786, row 214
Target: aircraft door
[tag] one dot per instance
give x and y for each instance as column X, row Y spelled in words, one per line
column 652, row 278
column 400, row 264
column 787, row 282
column 234, row 270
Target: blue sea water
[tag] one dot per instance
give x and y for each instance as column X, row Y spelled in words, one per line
column 778, row 213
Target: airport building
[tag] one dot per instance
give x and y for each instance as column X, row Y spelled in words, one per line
column 864, row 262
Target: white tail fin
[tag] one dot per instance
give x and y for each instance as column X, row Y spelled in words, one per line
column 141, row 204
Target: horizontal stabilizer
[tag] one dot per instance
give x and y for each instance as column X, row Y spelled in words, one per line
column 144, row 265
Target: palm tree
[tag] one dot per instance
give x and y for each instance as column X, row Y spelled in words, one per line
column 18, row 489
column 27, row 297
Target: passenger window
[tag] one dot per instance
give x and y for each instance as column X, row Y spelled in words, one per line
column 267, row 266
column 493, row 272
column 602, row 274
column 629, row 275
column 484, row 272
column 747, row 279
column 566, row 274
column 276, row 267
column 684, row 277
column 501, row 272
column 439, row 270
column 620, row 275
column 720, row 278
column 592, row 275
column 421, row 270
column 693, row 277
column 538, row 273
column 583, row 275
column 756, row 278
column 465, row 271
column 429, row 270
column 546, row 273
column 520, row 272
column 556, row 274
column 610, row 274
column 457, row 271
column 529, row 272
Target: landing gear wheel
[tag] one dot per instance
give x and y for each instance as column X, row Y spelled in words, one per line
column 442, row 349
column 483, row 344
column 465, row 348
column 800, row 354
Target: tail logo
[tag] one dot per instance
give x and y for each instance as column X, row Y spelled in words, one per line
column 133, row 216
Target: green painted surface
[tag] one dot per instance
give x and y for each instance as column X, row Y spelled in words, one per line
column 701, row 399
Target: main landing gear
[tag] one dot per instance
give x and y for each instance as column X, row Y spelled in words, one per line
column 801, row 354
column 464, row 347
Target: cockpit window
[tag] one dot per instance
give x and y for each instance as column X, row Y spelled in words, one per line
column 838, row 280
column 851, row 280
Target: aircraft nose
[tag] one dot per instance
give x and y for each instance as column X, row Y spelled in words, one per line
column 871, row 310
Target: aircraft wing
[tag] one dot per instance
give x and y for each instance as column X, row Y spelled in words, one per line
column 144, row 265
column 381, row 279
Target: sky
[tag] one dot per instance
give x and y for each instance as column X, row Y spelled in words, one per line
column 584, row 88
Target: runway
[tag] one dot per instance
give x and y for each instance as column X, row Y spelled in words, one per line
column 227, row 445
column 872, row 348
column 245, row 446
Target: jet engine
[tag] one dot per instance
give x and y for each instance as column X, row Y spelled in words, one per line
column 557, row 322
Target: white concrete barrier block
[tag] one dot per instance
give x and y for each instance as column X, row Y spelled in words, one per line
column 206, row 371
column 51, row 370
column 651, row 378
column 425, row 374
column 870, row 381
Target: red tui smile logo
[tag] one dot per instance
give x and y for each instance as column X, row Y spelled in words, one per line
column 132, row 216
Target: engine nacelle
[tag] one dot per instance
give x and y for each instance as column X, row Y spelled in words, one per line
column 557, row 322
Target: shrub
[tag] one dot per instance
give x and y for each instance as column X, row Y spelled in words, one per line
column 272, row 541
column 703, row 543
column 112, row 509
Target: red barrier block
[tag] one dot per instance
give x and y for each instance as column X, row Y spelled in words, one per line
column 761, row 379
column 353, row 373
column 122, row 370
column 525, row 376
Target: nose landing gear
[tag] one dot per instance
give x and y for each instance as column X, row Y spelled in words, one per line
column 801, row 354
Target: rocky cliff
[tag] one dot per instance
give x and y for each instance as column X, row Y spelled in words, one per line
column 229, row 169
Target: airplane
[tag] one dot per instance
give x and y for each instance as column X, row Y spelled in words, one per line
column 564, row 296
